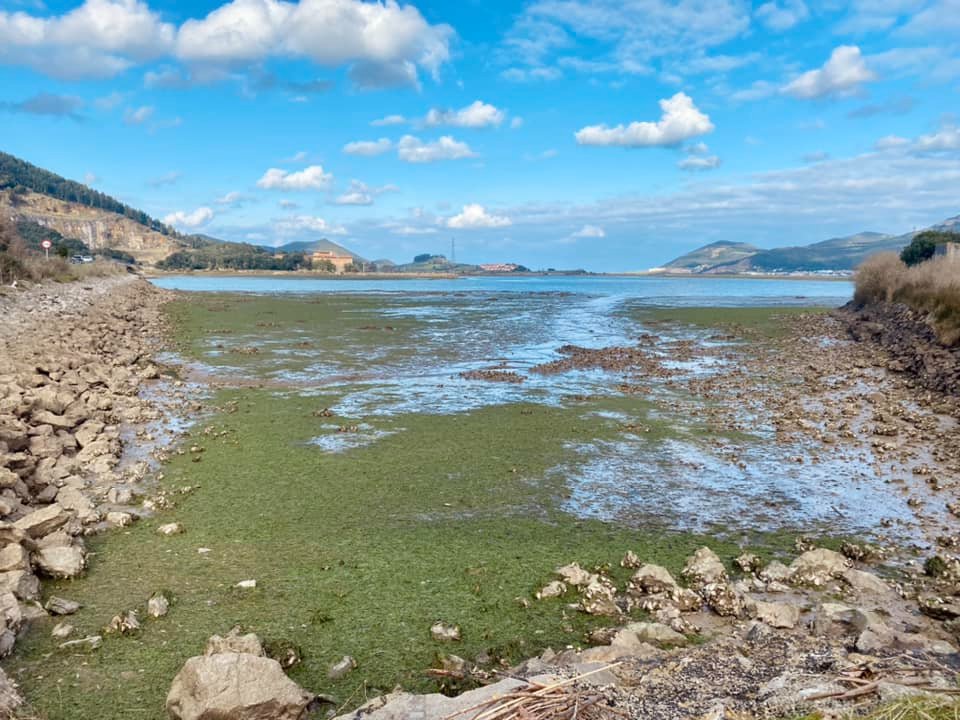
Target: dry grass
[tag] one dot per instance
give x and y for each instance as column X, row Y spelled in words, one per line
column 918, row 707
column 932, row 287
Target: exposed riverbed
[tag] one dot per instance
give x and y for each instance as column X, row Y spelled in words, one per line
column 354, row 465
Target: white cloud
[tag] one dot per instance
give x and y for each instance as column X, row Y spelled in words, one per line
column 889, row 142
column 297, row 158
column 681, row 121
column 414, row 150
column 410, row 230
column 782, row 16
column 310, row 178
column 475, row 216
column 389, row 120
column 476, row 115
column 383, row 41
column 101, row 38
column 138, row 116
column 359, row 193
column 946, row 138
column 368, row 148
column 842, row 75
column 589, row 231
column 109, row 102
column 698, row 158
column 190, row 220
column 941, row 16
column 307, row 223
column 628, row 35
column 710, row 162
column 231, row 199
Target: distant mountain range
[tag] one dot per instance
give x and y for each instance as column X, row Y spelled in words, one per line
column 836, row 254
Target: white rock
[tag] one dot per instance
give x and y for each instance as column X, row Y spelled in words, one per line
column 446, row 633
column 158, row 606
column 60, row 561
column 173, row 528
column 778, row 615
column 61, row 631
column 246, row 584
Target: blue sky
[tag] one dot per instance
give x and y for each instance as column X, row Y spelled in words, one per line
column 611, row 135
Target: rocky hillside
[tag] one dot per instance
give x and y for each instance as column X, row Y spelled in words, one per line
column 99, row 229
column 715, row 254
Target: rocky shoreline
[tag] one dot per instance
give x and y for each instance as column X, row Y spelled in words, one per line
column 911, row 342
column 74, row 360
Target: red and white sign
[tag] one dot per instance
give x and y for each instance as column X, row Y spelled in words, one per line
column 46, row 244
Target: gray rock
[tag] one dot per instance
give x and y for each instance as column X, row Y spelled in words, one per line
column 865, row 582
column 21, row 583
column 60, row 561
column 43, row 521
column 14, row 557
column 61, row 606
column 704, row 568
column 656, row 634
column 778, row 615
column 61, row 631
column 158, row 606
column 341, row 668
column 93, row 642
column 234, row 642
column 239, row 686
column 817, row 567
column 651, row 579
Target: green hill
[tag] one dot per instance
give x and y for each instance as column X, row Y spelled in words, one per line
column 312, row 246
column 836, row 254
column 721, row 252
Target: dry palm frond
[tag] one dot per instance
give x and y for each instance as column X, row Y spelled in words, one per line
column 559, row 701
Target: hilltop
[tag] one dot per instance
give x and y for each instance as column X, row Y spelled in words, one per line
column 835, row 254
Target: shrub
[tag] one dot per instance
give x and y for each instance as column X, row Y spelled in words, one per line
column 932, row 287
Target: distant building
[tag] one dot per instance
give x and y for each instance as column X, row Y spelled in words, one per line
column 499, row 267
column 339, row 262
column 948, row 249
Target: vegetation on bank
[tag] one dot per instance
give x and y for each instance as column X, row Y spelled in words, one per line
column 931, row 287
column 18, row 176
column 217, row 255
column 22, row 258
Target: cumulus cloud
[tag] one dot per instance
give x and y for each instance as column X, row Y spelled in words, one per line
column 307, row 223
column 589, row 231
column 101, row 38
column 681, row 121
column 414, row 150
column 138, row 116
column 841, row 75
column 477, row 114
column 384, row 43
column 368, row 148
column 310, row 178
column 476, row 216
column 411, row 230
column 782, row 16
column 47, row 104
column 189, row 220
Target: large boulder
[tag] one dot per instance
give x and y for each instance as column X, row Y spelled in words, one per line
column 60, row 561
column 43, row 521
column 651, row 579
column 705, row 568
column 817, row 567
column 239, row 686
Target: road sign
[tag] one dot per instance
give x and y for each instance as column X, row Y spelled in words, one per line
column 46, row 245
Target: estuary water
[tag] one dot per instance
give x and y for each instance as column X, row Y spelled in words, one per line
column 656, row 290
